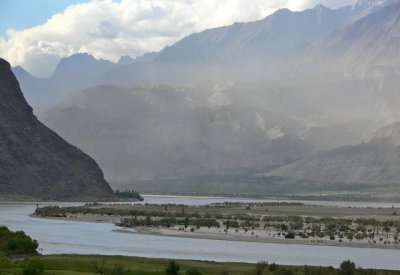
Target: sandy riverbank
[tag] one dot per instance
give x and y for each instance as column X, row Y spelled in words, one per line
column 232, row 234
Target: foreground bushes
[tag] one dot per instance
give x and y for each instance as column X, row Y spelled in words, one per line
column 14, row 243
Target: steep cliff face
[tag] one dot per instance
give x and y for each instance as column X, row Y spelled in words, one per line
column 35, row 161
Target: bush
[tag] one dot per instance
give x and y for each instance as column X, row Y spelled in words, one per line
column 260, row 267
column 16, row 242
column 290, row 235
column 173, row 268
column 33, row 267
column 347, row 268
column 273, row 267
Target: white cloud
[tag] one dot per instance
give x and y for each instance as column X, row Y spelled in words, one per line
column 108, row 29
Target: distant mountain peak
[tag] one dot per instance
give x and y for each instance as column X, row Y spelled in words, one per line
column 20, row 71
column 125, row 60
column 81, row 57
column 373, row 3
column 321, row 7
column 87, row 64
column 283, row 11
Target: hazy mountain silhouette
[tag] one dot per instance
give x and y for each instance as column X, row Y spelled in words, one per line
column 365, row 45
column 235, row 99
column 374, row 161
column 159, row 131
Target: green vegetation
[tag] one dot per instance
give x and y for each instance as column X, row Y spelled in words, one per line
column 120, row 265
column 168, row 222
column 173, row 268
column 16, row 243
column 258, row 220
column 128, row 194
column 34, row 264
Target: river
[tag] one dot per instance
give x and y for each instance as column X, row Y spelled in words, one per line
column 56, row 236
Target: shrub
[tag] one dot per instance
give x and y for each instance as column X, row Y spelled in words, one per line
column 273, row 267
column 347, row 268
column 260, row 267
column 33, row 267
column 290, row 235
column 16, row 242
column 173, row 268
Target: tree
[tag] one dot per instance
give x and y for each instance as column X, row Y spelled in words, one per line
column 273, row 267
column 186, row 222
column 16, row 242
column 173, row 268
column 347, row 268
column 290, row 235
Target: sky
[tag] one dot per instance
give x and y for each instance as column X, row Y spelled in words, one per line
column 35, row 34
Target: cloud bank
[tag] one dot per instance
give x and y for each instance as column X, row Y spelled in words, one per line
column 108, row 29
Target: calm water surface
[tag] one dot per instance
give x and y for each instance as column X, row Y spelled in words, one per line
column 190, row 200
column 99, row 238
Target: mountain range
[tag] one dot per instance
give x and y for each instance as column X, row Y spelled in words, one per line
column 371, row 42
column 160, row 131
column 296, row 95
column 374, row 161
column 264, row 49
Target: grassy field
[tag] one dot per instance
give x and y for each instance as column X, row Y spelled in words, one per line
column 119, row 265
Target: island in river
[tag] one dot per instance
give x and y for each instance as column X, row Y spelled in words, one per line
column 258, row 222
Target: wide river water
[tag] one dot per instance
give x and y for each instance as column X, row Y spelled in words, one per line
column 56, row 236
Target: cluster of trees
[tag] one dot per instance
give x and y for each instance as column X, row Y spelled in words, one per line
column 288, row 226
column 128, row 194
column 346, row 268
column 14, row 243
column 168, row 222
column 56, row 211
column 253, row 204
column 333, row 228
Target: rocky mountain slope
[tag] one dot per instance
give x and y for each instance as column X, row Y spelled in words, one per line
column 375, row 161
column 241, row 51
column 36, row 162
column 335, row 82
column 165, row 131
column 371, row 42
column 160, row 131
column 280, row 35
column 264, row 49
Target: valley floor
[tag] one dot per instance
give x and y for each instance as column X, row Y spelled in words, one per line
column 291, row 223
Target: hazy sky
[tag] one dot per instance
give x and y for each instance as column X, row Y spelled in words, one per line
column 37, row 33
